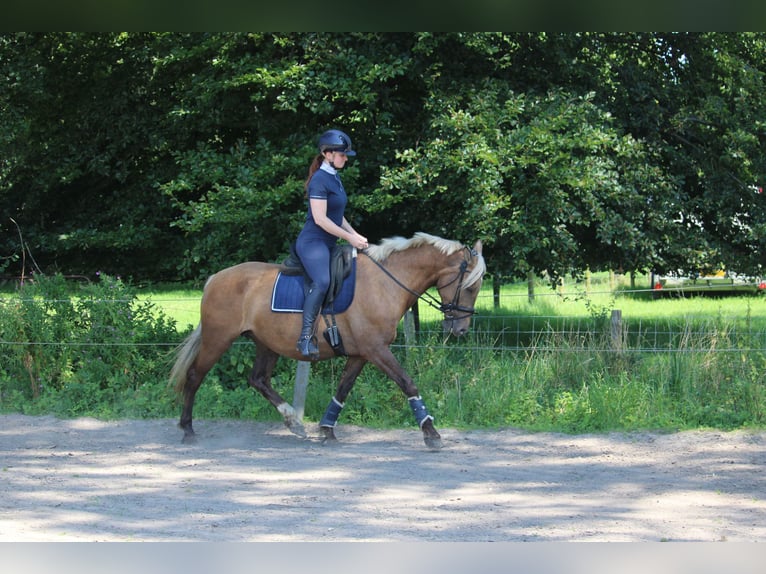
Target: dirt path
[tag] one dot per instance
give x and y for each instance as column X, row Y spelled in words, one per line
column 87, row 480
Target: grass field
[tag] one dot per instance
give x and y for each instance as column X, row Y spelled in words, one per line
column 575, row 300
column 574, row 306
column 182, row 305
column 103, row 350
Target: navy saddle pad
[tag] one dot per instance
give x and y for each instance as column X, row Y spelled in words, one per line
column 287, row 296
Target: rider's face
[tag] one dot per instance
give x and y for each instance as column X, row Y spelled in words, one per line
column 337, row 159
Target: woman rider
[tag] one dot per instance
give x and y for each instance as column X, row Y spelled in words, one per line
column 325, row 224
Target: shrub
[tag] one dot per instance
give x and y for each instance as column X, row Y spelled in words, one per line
column 94, row 350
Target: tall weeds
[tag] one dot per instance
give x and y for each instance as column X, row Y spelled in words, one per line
column 101, row 351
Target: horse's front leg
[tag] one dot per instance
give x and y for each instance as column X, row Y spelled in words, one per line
column 387, row 363
column 425, row 421
column 260, row 380
column 354, row 366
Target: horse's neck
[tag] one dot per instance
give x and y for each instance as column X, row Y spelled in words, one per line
column 418, row 269
column 412, row 273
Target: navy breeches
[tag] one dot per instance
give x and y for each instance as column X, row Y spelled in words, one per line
column 315, row 256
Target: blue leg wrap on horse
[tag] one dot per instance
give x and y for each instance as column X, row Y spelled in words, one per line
column 332, row 413
column 419, row 410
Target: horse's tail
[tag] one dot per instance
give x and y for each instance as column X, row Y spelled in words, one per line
column 185, row 355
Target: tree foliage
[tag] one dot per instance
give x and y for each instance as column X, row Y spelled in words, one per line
column 546, row 180
column 170, row 155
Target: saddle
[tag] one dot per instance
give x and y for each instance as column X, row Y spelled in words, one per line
column 292, row 284
column 341, row 266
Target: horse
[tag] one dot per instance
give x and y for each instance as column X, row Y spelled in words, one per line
column 390, row 277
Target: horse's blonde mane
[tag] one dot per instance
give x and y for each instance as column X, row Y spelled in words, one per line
column 390, row 245
column 386, row 247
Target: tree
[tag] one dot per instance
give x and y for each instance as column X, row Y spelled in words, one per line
column 173, row 155
column 546, row 182
column 240, row 187
column 85, row 147
column 696, row 100
column 719, row 135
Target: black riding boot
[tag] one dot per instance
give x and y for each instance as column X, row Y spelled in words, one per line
column 307, row 343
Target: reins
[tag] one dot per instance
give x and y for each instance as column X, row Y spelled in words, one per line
column 430, row 299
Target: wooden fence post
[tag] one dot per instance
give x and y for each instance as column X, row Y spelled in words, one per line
column 616, row 329
column 299, row 390
column 530, row 286
column 409, row 328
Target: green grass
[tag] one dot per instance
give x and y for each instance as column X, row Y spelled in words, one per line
column 549, row 364
column 545, row 365
column 182, row 305
column 573, row 301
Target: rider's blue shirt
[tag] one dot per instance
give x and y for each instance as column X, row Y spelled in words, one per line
column 325, row 184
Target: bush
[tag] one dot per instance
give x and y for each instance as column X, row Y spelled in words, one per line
column 95, row 350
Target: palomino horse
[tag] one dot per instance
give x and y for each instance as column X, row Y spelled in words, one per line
column 391, row 276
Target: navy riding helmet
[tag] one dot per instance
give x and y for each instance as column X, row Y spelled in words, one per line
column 335, row 140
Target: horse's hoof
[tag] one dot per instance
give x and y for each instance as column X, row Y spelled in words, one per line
column 329, row 441
column 432, row 443
column 296, row 428
column 189, row 439
column 328, row 436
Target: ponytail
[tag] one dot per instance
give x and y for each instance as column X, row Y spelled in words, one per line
column 315, row 165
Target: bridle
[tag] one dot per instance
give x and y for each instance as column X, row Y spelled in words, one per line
column 447, row 308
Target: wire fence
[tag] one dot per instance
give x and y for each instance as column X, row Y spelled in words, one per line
column 512, row 327
column 505, row 325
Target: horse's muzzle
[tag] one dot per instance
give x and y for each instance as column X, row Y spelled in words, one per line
column 457, row 319
column 456, row 326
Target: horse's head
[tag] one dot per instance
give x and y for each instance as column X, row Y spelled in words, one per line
column 458, row 287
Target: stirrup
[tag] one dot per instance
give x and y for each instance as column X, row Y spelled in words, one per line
column 307, row 346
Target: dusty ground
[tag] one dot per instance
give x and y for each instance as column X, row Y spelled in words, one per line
column 87, row 480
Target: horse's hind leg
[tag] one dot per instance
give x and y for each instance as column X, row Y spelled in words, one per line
column 193, row 382
column 351, row 371
column 207, row 357
column 260, row 380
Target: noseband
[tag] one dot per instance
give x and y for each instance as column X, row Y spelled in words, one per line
column 447, row 308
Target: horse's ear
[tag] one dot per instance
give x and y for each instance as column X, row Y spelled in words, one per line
column 477, row 246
